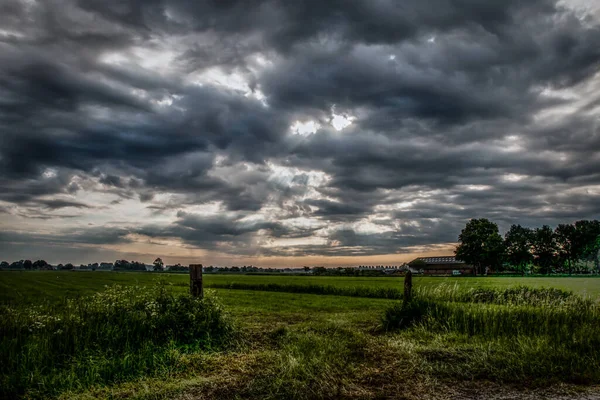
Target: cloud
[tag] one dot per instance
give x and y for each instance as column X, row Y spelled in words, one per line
column 55, row 204
column 178, row 119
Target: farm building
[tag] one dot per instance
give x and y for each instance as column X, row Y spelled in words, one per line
column 444, row 265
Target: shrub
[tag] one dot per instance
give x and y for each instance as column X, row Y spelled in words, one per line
column 404, row 315
column 111, row 336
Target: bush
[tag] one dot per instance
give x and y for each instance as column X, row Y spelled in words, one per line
column 111, row 336
column 404, row 315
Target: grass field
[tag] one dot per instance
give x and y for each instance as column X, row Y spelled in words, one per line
column 36, row 286
column 296, row 340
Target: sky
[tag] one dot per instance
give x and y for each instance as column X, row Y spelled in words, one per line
column 291, row 133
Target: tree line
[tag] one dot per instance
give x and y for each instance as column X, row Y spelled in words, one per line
column 569, row 248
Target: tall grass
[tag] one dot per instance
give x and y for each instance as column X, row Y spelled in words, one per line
column 352, row 291
column 114, row 335
column 518, row 333
column 518, row 295
column 493, row 313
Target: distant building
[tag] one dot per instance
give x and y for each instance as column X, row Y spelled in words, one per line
column 444, row 265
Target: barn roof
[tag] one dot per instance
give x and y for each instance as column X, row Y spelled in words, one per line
column 440, row 260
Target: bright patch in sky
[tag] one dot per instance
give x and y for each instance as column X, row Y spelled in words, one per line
column 165, row 101
column 305, row 128
column 49, row 173
column 477, row 188
column 287, row 176
column 366, row 227
column 340, row 121
column 513, row 177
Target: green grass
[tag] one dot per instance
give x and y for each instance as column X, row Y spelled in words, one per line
column 303, row 337
column 112, row 336
column 36, row 286
column 541, row 335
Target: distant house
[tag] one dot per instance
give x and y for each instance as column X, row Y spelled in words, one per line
column 444, row 265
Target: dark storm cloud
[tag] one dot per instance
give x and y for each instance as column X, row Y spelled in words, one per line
column 461, row 109
column 55, row 204
column 87, row 236
column 353, row 21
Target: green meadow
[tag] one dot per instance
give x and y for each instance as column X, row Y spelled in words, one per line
column 43, row 286
column 88, row 335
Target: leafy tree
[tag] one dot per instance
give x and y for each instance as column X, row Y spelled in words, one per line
column 4, row 264
column 589, row 235
column 121, row 265
column 568, row 244
column 158, row 264
column 27, row 264
column 544, row 248
column 517, row 244
column 417, row 264
column 136, row 266
column 480, row 245
column 177, row 267
column 40, row 264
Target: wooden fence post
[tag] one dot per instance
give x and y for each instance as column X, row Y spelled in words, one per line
column 196, row 288
column 408, row 287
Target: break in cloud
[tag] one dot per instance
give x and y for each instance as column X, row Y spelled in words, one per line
column 288, row 132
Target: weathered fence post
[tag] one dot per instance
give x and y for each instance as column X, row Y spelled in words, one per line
column 408, row 286
column 196, row 288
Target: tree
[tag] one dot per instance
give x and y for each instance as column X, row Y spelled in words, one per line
column 136, row 266
column 158, row 264
column 568, row 244
column 480, row 245
column 121, row 265
column 544, row 248
column 517, row 245
column 589, row 235
column 27, row 264
column 417, row 264
column 40, row 264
